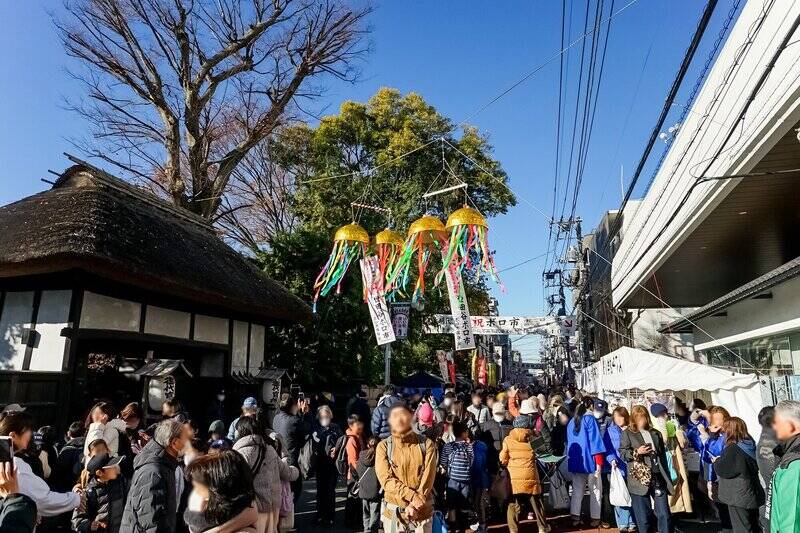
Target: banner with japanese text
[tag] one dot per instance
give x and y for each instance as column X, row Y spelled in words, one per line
column 462, row 323
column 378, row 309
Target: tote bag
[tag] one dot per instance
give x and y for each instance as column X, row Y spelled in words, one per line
column 618, row 493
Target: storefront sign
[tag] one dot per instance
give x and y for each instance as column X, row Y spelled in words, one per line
column 462, row 323
column 493, row 325
column 378, row 309
column 568, row 326
column 401, row 316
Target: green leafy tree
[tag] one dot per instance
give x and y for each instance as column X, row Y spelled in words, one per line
column 340, row 345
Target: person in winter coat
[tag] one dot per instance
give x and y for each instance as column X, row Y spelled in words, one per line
column 325, row 436
column 611, row 438
column 649, row 482
column 267, row 469
column 541, row 438
column 103, row 425
column 481, row 481
column 17, row 511
column 293, row 423
column 353, row 444
column 558, row 432
column 518, row 456
column 455, row 460
column 368, row 488
column 105, row 496
column 249, row 408
column 406, row 467
column 585, row 455
column 222, row 495
column 783, row 498
column 425, row 419
column 765, row 448
column 380, row 415
column 478, row 409
column 739, row 486
column 152, row 499
column 19, row 427
column 68, row 464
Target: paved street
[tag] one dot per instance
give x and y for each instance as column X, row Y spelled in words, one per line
column 306, row 512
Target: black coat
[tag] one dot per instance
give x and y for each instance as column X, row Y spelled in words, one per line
column 739, row 485
column 368, row 486
column 68, row 466
column 629, row 442
column 765, row 454
column 105, row 502
column 293, row 429
column 17, row 514
column 152, row 505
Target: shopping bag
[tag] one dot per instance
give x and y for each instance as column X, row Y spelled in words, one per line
column 618, row 492
column 501, row 486
column 558, row 496
column 439, row 524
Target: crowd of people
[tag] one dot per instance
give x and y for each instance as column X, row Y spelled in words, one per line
column 417, row 463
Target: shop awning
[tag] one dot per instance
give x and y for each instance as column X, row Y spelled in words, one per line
column 159, row 368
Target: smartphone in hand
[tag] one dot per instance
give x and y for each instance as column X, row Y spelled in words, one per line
column 6, row 450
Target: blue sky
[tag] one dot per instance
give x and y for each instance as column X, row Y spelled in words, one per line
column 457, row 55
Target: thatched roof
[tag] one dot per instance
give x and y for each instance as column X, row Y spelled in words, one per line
column 97, row 223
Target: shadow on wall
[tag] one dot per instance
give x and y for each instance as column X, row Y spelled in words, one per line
column 10, row 343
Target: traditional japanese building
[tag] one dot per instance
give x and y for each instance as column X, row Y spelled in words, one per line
column 106, row 291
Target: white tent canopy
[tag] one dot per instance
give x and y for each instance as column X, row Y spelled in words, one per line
column 627, row 369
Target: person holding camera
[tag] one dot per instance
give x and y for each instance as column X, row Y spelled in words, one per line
column 649, row 482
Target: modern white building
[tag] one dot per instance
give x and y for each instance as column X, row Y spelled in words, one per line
column 717, row 229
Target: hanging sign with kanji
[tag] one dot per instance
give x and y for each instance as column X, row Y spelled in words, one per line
column 462, row 323
column 493, row 325
column 378, row 309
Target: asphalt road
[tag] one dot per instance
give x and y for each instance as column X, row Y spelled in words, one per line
column 305, row 514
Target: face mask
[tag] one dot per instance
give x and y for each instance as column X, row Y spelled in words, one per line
column 499, row 418
column 221, row 397
column 196, row 503
column 324, row 422
column 598, row 414
column 447, row 402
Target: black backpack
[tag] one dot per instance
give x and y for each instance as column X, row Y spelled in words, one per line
column 342, row 465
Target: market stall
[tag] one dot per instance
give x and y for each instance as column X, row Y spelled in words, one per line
column 630, row 375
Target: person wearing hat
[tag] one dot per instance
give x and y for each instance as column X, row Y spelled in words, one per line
column 13, row 408
column 105, row 494
column 540, row 435
column 217, row 433
column 249, row 408
column 519, row 457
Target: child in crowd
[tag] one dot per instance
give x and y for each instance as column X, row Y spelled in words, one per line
column 105, row 490
column 456, row 461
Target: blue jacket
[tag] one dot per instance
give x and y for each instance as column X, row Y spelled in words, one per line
column 380, row 416
column 611, row 439
column 713, row 447
column 582, row 448
column 693, row 434
column 480, row 466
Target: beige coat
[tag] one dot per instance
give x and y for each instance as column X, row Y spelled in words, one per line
column 409, row 473
column 680, row 501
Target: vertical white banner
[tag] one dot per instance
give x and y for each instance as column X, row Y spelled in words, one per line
column 378, row 309
column 462, row 323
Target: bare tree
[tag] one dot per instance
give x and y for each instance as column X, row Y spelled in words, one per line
column 258, row 204
column 181, row 91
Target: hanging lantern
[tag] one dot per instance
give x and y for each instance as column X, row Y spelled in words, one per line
column 388, row 246
column 468, row 232
column 349, row 244
column 425, row 235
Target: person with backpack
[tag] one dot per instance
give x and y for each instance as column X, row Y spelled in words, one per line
column 293, row 423
column 367, row 488
column 519, row 457
column 455, row 460
column 405, row 464
column 348, row 448
column 325, row 436
column 68, row 464
column 267, row 469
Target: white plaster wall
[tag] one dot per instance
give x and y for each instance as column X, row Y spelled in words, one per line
column 167, row 322
column 211, row 329
column 105, row 312
column 14, row 317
